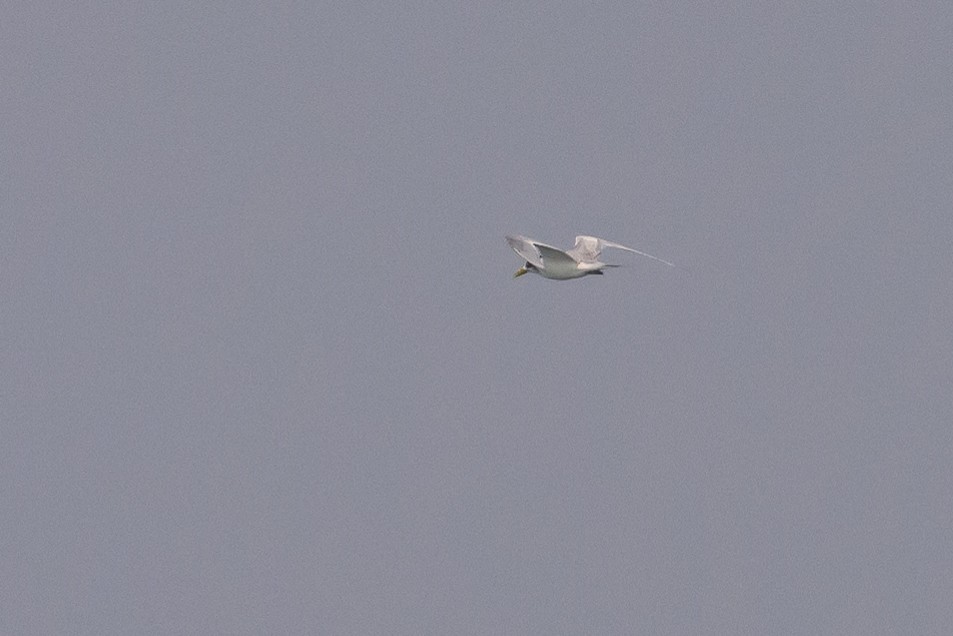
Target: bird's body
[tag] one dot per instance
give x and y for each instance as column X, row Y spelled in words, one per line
column 580, row 260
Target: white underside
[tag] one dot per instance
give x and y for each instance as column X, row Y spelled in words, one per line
column 564, row 271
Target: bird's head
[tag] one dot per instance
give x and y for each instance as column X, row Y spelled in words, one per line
column 525, row 269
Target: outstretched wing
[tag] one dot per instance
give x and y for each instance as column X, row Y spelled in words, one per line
column 557, row 262
column 551, row 262
column 526, row 250
column 588, row 248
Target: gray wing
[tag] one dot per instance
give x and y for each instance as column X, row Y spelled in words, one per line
column 555, row 258
column 526, row 250
column 588, row 248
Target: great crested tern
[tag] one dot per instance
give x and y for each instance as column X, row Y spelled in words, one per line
column 580, row 260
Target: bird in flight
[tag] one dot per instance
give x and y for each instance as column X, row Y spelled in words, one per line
column 578, row 261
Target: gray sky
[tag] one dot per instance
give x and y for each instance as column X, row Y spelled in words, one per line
column 264, row 367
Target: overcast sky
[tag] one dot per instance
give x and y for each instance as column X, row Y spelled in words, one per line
column 264, row 367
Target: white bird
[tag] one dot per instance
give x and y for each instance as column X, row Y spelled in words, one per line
column 581, row 260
